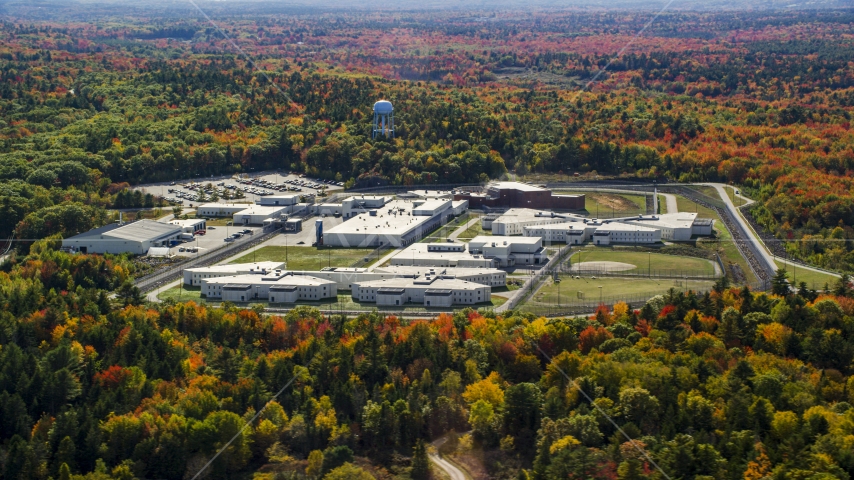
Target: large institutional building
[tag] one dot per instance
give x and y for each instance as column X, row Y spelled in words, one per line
column 378, row 221
column 519, row 195
column 387, row 286
column 575, row 229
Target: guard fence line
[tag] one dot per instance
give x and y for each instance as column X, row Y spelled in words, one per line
column 375, row 255
column 654, row 273
column 150, row 282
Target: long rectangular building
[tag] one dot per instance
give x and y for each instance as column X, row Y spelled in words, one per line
column 275, row 287
column 398, row 223
column 430, row 291
column 135, row 238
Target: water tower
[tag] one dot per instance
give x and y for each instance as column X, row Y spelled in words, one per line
column 383, row 119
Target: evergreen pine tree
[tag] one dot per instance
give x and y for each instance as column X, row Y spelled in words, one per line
column 780, row 283
column 420, row 463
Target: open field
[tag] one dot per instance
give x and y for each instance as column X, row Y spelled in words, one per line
column 728, row 251
column 644, row 261
column 815, row 280
column 182, row 294
column 613, row 289
column 662, row 205
column 306, row 258
column 473, row 231
column 607, row 205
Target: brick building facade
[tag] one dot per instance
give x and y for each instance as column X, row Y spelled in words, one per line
column 520, row 195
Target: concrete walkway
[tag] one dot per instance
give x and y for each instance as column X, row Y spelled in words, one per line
column 385, row 258
column 670, row 202
column 456, row 233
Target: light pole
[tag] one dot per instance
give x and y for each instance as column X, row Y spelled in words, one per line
column 648, row 264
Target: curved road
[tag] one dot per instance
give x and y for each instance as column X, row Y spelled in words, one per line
column 764, row 254
column 448, row 467
column 670, row 202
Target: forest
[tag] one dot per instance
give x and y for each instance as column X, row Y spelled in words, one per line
column 95, row 383
column 762, row 100
column 730, row 384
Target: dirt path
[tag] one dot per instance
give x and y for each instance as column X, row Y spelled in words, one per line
column 448, row 467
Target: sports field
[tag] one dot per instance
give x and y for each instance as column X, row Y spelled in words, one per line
column 608, row 205
column 586, row 289
column 306, row 258
column 182, row 294
column 643, row 261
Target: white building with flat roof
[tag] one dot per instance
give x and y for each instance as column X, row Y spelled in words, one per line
column 220, row 209
column 280, row 200
column 441, row 255
column 510, row 251
column 610, row 233
column 398, row 223
column 135, row 238
column 195, row 276
column 256, row 214
column 191, row 225
column 514, row 221
column 429, row 291
column 673, row 226
column 573, row 233
column 274, row 287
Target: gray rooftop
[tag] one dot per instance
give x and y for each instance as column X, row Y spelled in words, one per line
column 138, row 231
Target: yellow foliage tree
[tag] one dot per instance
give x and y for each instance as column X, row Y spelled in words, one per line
column 487, row 390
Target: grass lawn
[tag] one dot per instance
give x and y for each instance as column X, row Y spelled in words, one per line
column 728, row 251
column 472, row 231
column 815, row 280
column 306, row 258
column 610, row 204
column 613, row 289
column 182, row 294
column 644, row 260
column 662, row 205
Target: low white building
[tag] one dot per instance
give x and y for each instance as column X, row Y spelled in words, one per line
column 279, row 200
column 398, row 223
column 673, row 226
column 510, row 251
column 135, row 238
column 190, row 225
column 353, row 206
column 514, row 221
column 441, row 255
column 574, row 233
column 220, row 209
column 617, row 233
column 195, row 276
column 275, row 287
column 430, row 291
column 256, row 214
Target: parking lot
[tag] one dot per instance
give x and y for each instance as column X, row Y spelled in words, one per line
column 214, row 238
column 230, row 188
